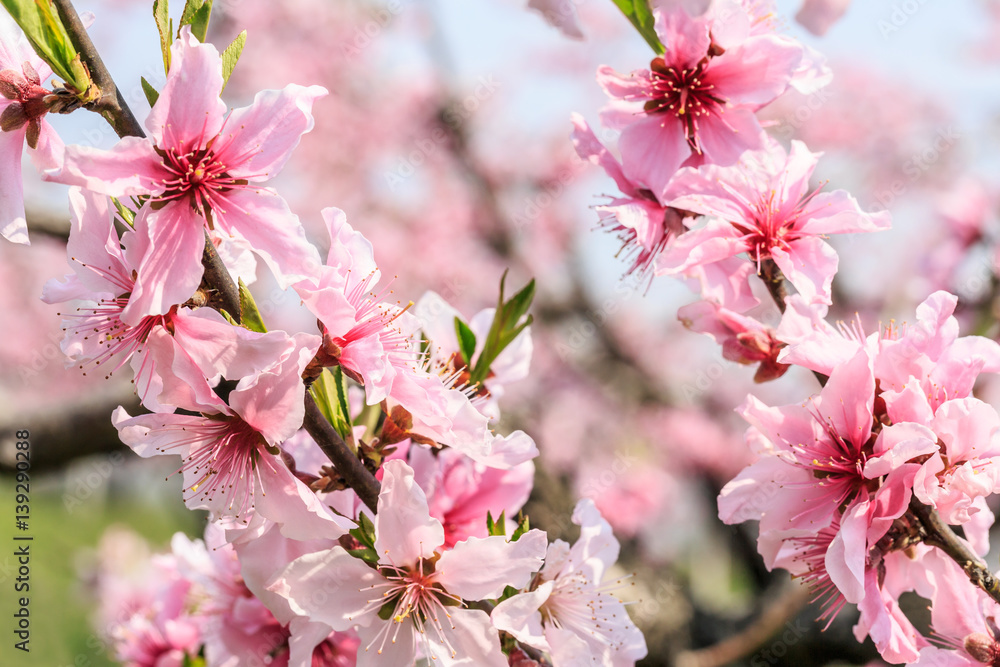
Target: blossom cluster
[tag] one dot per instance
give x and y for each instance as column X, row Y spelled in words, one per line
column 855, row 489
column 299, row 565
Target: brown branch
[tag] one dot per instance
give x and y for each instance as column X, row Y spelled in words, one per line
column 940, row 535
column 110, row 104
column 217, row 275
column 344, row 459
column 742, row 644
column 774, row 279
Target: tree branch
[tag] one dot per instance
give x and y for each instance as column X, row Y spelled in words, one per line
column 775, row 616
column 110, row 104
column 940, row 535
column 345, row 460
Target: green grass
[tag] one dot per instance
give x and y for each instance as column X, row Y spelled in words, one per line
column 63, row 527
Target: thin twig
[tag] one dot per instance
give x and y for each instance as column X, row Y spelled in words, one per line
column 110, row 104
column 217, row 275
column 940, row 535
column 776, row 615
column 346, row 461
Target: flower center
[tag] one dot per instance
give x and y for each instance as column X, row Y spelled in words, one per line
column 685, row 92
column 198, row 176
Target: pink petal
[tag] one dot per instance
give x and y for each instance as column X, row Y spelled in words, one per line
column 589, row 148
column 350, row 252
column 49, row 153
column 755, row 72
column 968, row 428
column 263, row 218
column 559, row 14
column 818, row 15
column 845, row 558
column 809, row 264
column 129, row 168
column 472, row 638
column 897, row 444
column 284, row 499
column 714, row 242
column 795, row 174
column 221, row 349
column 847, row 400
column 708, row 190
column 401, row 649
column 256, row 141
column 170, row 270
column 329, row 587
column 520, row 617
column 13, row 225
column 653, row 149
column 685, row 37
column 838, row 212
column 480, row 568
column 405, row 531
column 724, row 138
column 188, row 112
column 147, row 436
column 272, row 401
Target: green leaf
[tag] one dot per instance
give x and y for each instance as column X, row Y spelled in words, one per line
column 196, row 14
column 365, row 532
column 522, row 527
column 249, row 313
column 641, row 16
column 166, row 29
column 330, row 392
column 369, row 556
column 506, row 326
column 44, row 29
column 498, row 527
column 466, row 341
column 124, row 212
column 151, row 93
column 231, row 56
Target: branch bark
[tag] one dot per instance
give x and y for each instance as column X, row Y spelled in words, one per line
column 940, row 535
column 345, row 460
column 110, row 104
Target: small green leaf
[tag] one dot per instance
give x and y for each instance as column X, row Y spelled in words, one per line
column 42, row 25
column 365, row 532
column 196, row 14
column 330, row 392
column 498, row 527
column 165, row 26
column 231, row 56
column 249, row 313
column 369, row 556
column 466, row 341
column 506, row 326
column 229, row 318
column 151, row 94
column 124, row 212
column 641, row 16
column 522, row 527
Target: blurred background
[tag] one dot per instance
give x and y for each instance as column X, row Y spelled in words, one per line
column 446, row 140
